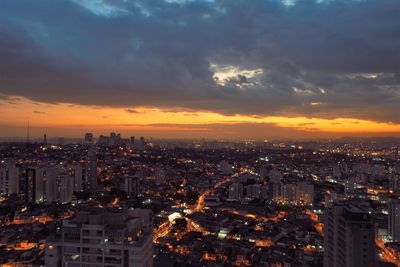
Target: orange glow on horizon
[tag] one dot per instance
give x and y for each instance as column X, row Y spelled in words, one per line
column 18, row 110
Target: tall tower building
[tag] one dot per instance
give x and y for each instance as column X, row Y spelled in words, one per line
column 66, row 187
column 9, row 180
column 89, row 138
column 275, row 176
column 91, row 170
column 51, row 174
column 349, row 237
column 305, row 193
column 77, row 172
column 394, row 219
column 33, row 185
column 131, row 186
column 132, row 143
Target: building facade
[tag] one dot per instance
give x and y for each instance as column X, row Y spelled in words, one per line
column 103, row 238
column 349, row 237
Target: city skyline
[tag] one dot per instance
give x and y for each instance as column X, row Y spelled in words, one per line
column 212, row 69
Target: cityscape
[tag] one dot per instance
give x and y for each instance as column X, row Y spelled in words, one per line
column 199, row 133
column 114, row 201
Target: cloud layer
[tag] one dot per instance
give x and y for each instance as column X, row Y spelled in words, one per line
column 332, row 58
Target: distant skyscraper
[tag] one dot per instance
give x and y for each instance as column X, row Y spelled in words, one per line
column 349, row 237
column 9, row 180
column 89, row 138
column 394, row 219
column 103, row 238
column 141, row 144
column 45, row 139
column 132, row 141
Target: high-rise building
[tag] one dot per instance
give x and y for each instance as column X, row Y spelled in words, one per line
column 103, row 238
column 297, row 193
column 33, row 185
column 305, row 193
column 264, row 192
column 115, row 139
column 9, row 180
column 275, row 191
column 235, row 191
column 132, row 141
column 66, row 188
column 91, row 170
column 253, row 191
column 131, row 186
column 394, row 180
column 159, row 175
column 76, row 171
column 394, row 219
column 350, row 185
column 141, row 144
column 89, row 138
column 349, row 237
column 58, row 184
column 263, row 172
column 51, row 174
column 288, row 193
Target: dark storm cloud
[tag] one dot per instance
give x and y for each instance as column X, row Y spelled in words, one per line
column 326, row 59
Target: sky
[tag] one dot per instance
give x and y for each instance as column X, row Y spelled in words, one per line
column 242, row 69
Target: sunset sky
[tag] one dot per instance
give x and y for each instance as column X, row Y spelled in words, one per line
column 200, row 68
